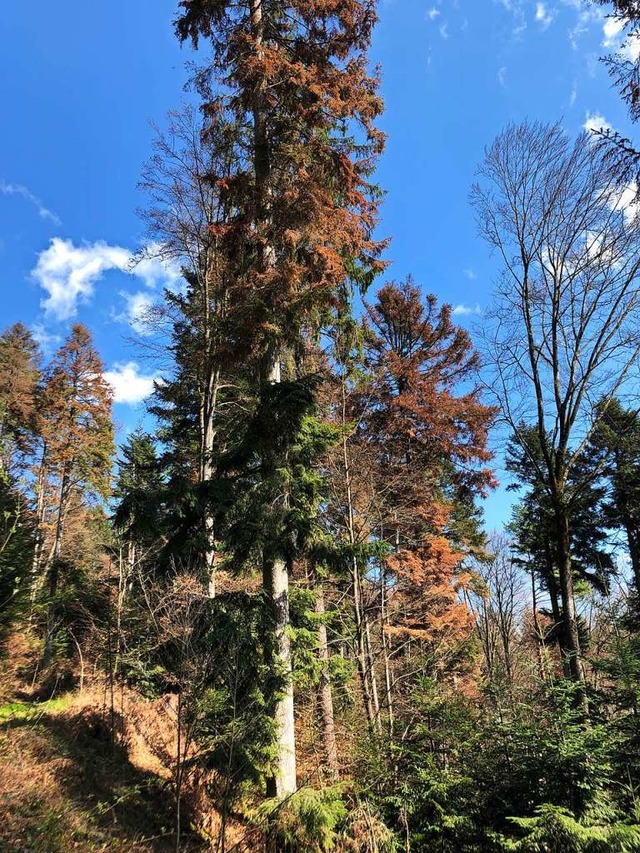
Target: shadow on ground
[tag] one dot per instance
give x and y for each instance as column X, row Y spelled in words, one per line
column 66, row 784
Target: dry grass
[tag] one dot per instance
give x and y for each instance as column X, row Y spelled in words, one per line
column 77, row 774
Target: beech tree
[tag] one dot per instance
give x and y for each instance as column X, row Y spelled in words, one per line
column 293, row 80
column 564, row 331
column 185, row 212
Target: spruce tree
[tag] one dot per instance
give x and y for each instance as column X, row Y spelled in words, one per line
column 292, row 79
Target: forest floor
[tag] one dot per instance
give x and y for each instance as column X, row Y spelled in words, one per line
column 80, row 772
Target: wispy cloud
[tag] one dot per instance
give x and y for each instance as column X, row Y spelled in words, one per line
column 574, row 93
column 433, row 13
column 26, row 194
column 463, row 310
column 128, row 384
column 544, row 15
column 502, row 76
column 137, row 311
column 470, row 273
column 47, row 341
column 586, row 15
column 69, row 273
column 516, row 9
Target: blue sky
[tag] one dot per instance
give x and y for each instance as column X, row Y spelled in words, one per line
column 80, row 84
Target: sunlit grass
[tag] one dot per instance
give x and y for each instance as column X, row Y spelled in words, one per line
column 33, row 710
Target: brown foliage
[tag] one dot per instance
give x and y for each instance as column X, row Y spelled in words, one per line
column 303, row 213
column 428, row 450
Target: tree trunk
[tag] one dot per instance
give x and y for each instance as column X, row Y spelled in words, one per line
column 52, row 610
column 571, row 645
column 363, row 649
column 634, row 547
column 208, row 405
column 388, row 677
column 276, row 586
column 556, row 611
column 275, row 571
column 325, row 695
column 36, row 565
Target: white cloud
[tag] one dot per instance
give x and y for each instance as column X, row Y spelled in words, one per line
column 617, row 41
column 612, row 30
column 444, row 30
column 129, row 386
column 627, row 201
column 595, row 121
column 502, row 76
column 68, row 273
column 27, row 195
column 154, row 268
column 45, row 339
column 433, row 13
column 631, row 48
column 470, row 273
column 137, row 310
column 467, row 310
column 544, row 16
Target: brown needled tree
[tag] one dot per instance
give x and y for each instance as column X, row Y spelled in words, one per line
column 77, row 439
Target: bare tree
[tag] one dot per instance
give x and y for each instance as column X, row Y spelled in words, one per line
column 181, row 181
column 500, row 607
column 564, row 330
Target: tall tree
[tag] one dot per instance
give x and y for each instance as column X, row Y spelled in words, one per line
column 616, row 443
column 564, row 330
column 430, row 444
column 186, row 209
column 19, row 377
column 624, row 68
column 76, row 431
column 413, row 460
column 293, row 80
column 533, row 527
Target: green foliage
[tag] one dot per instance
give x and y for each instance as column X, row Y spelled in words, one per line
column 555, row 830
column 533, row 524
column 464, row 775
column 16, row 552
column 30, row 711
column 306, row 822
column 277, row 486
column 307, row 666
column 138, row 482
column 231, row 690
column 365, row 832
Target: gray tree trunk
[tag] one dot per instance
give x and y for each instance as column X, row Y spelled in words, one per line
column 325, row 694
